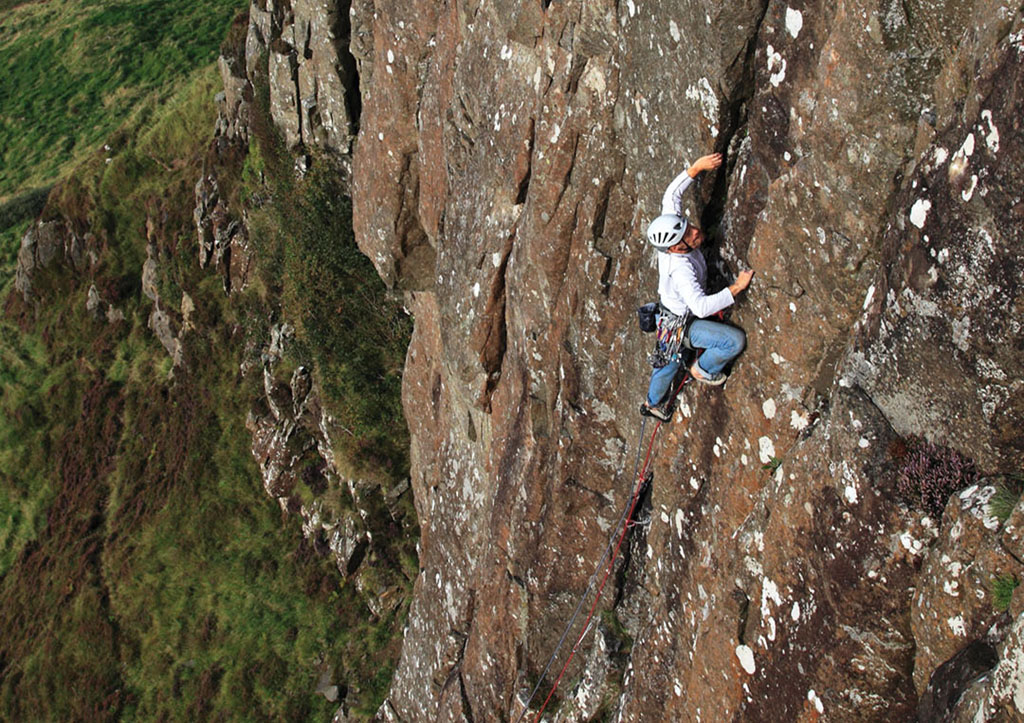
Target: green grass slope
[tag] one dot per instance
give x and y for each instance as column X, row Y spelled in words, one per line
column 144, row 573
column 71, row 71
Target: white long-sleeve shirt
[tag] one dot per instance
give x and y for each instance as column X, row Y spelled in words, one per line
column 682, row 278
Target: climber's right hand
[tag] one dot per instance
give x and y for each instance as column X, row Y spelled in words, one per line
column 742, row 281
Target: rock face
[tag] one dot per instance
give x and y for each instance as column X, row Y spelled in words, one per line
column 314, row 96
column 509, row 156
column 291, row 444
column 44, row 244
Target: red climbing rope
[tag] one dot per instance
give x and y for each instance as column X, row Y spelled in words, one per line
column 641, row 477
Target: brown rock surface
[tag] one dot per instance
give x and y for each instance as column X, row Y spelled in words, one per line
column 953, row 603
column 509, row 156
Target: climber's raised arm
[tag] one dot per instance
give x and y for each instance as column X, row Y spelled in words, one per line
column 672, row 201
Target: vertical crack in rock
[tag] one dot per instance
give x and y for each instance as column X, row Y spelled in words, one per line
column 467, row 708
column 597, row 231
column 348, row 69
column 742, row 615
column 579, row 66
column 415, row 269
column 741, row 73
column 567, row 180
column 524, row 183
column 492, row 353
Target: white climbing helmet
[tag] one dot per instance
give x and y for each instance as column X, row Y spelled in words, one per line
column 666, row 230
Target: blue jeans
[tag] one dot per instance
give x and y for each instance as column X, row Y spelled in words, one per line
column 721, row 344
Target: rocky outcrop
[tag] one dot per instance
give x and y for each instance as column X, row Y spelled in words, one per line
column 302, row 49
column 169, row 325
column 954, row 604
column 46, row 243
column 292, row 443
column 508, row 159
column 223, row 240
column 999, row 696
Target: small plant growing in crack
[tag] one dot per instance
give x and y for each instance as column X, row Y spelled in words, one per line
column 1002, row 588
column 771, row 465
column 1005, row 499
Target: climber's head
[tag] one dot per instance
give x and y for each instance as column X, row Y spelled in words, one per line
column 674, row 234
column 693, row 237
column 666, row 231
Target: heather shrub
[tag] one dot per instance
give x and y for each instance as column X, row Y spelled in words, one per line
column 930, row 473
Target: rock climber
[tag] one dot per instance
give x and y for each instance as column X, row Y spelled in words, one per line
column 684, row 303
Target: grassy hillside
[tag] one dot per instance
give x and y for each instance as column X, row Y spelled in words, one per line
column 144, row 573
column 72, row 71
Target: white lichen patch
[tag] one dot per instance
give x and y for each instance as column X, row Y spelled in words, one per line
column 765, row 450
column 777, row 358
column 746, row 657
column 673, row 30
column 956, row 624
column 593, row 78
column 799, row 421
column 919, row 212
column 967, row 149
column 961, row 333
column 704, row 95
column 794, row 21
column 795, row 612
column 870, row 295
column 776, row 67
column 850, row 493
column 911, row 544
column 769, row 592
column 992, row 137
column 969, row 187
column 813, row 698
column 988, row 369
column 768, row 408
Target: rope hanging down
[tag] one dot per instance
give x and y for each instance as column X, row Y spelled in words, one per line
column 613, row 546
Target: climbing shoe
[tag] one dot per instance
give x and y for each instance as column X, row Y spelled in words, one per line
column 704, row 378
column 658, row 411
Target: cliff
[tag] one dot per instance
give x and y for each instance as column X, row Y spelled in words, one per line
column 837, row 532
column 509, row 157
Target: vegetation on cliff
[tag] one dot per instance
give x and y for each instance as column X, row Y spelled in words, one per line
column 349, row 329
column 144, row 572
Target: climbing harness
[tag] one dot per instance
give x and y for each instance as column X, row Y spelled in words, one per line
column 672, row 338
column 625, row 523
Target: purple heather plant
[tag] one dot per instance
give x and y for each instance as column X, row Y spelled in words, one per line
column 930, row 473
